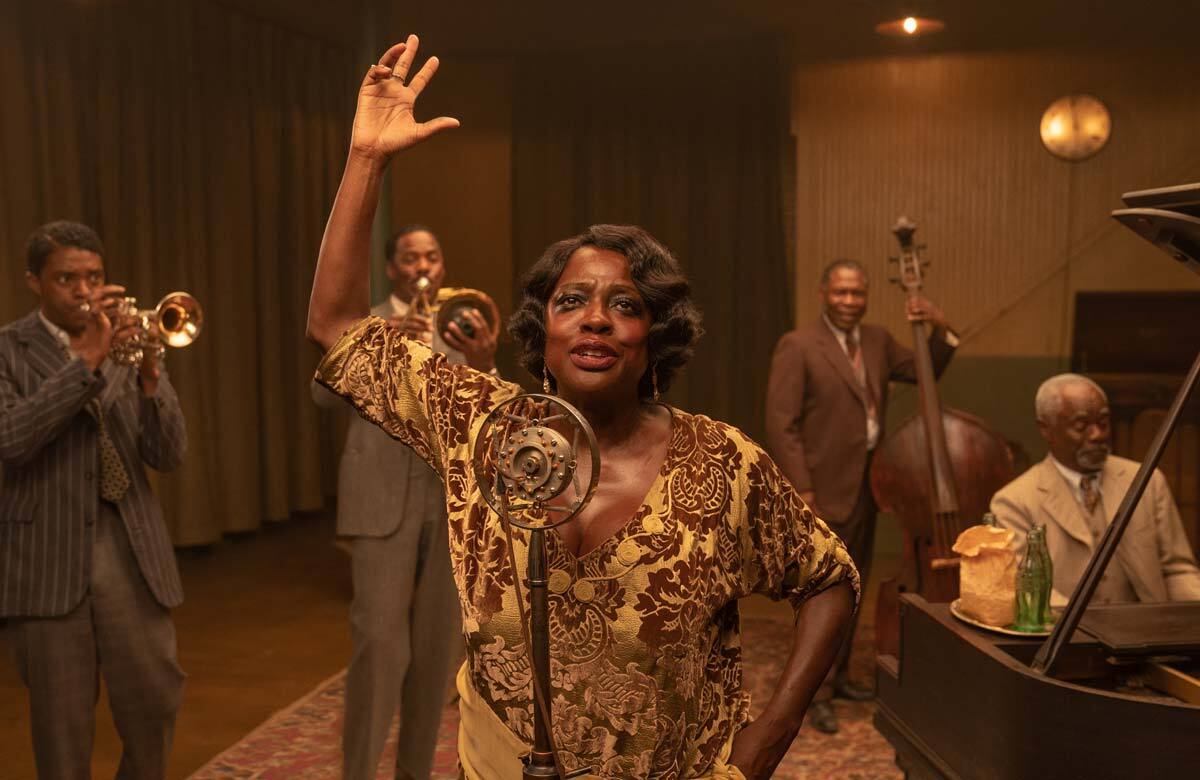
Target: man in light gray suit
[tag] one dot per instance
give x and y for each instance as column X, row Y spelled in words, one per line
column 87, row 572
column 404, row 619
column 1075, row 493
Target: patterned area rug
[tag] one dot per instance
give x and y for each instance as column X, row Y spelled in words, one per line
column 303, row 741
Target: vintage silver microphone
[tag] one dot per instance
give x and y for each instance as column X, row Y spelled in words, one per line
column 523, row 461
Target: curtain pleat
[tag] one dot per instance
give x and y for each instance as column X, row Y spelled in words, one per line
column 205, row 146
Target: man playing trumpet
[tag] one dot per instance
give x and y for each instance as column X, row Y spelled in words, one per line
column 404, row 620
column 87, row 572
column 416, row 269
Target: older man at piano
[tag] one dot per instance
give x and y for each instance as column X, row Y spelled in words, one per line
column 1075, row 493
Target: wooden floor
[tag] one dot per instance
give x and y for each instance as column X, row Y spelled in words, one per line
column 263, row 623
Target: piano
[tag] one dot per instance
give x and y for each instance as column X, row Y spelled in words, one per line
column 960, row 702
column 1114, row 692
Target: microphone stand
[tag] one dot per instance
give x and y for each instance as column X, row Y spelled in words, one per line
column 533, row 463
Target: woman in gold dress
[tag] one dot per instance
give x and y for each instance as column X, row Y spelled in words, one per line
column 689, row 516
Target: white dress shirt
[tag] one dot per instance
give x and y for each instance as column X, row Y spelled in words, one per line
column 63, row 337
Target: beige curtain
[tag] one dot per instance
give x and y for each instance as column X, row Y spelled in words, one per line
column 205, row 146
column 691, row 147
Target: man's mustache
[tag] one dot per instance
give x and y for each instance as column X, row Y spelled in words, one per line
column 1093, row 454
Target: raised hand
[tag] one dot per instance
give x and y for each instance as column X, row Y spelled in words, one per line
column 384, row 122
column 383, row 125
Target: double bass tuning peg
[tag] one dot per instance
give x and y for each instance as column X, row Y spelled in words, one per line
column 894, row 278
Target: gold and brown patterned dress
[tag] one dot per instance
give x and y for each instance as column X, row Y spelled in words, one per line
column 646, row 651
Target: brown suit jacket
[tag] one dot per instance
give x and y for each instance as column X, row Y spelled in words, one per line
column 1154, row 551
column 817, row 411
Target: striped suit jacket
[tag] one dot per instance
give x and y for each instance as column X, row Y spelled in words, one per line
column 49, row 487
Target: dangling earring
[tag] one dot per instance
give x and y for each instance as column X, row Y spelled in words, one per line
column 545, row 379
column 654, row 380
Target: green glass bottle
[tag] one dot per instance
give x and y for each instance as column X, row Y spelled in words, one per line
column 1047, row 576
column 1037, row 547
column 1031, row 585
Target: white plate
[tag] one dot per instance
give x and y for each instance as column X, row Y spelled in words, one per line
column 964, row 617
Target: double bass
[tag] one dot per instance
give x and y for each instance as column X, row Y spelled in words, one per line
column 936, row 474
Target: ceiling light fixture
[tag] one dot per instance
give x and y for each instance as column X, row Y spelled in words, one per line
column 910, row 26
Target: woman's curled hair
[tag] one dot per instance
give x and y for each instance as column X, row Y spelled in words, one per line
column 675, row 320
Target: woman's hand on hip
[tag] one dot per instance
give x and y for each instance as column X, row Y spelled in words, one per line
column 759, row 747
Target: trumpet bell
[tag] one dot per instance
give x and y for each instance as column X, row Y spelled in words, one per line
column 453, row 302
column 179, row 317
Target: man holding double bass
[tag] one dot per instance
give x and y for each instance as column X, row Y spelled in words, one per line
column 826, row 402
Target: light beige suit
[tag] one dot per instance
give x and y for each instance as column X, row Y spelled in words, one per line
column 404, row 620
column 1154, row 552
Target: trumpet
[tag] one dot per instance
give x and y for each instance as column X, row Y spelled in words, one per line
column 450, row 304
column 422, row 305
column 174, row 322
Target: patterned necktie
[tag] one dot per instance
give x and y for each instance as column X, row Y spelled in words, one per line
column 860, row 371
column 1091, row 496
column 114, row 479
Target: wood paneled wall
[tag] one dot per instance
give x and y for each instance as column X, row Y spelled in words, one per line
column 951, row 140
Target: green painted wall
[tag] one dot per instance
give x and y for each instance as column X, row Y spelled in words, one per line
column 999, row 390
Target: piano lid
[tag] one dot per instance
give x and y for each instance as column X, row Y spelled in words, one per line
column 1183, row 198
column 1169, row 218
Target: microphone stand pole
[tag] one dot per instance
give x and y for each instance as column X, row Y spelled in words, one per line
column 541, row 758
